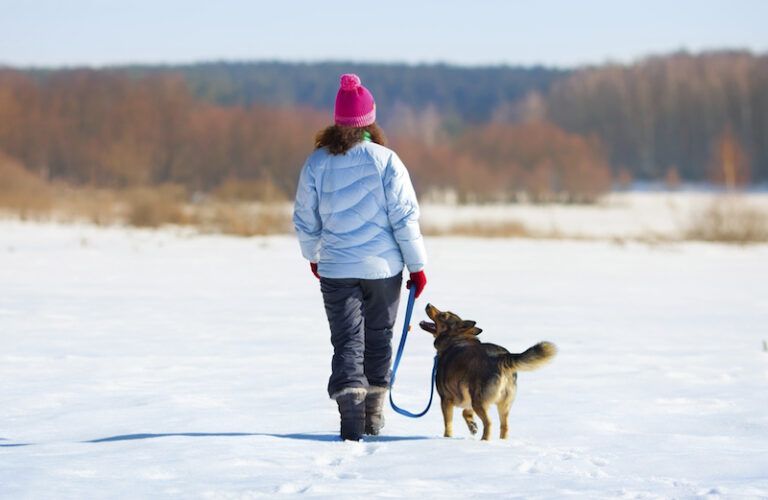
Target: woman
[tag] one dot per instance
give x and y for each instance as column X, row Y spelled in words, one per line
column 356, row 216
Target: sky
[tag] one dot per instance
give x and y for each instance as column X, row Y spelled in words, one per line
column 548, row 32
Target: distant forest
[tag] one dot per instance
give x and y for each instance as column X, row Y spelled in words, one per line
column 484, row 133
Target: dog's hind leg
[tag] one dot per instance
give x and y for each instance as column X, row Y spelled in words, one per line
column 483, row 414
column 469, row 418
column 503, row 408
column 447, row 417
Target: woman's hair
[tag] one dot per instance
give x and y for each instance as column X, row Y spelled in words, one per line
column 339, row 139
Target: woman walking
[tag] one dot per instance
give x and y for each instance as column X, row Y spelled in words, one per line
column 356, row 216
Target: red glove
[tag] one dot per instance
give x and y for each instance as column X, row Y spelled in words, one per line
column 313, row 266
column 419, row 280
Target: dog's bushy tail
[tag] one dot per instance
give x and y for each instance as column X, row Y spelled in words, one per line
column 530, row 359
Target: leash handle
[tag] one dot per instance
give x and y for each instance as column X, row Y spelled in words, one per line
column 398, row 357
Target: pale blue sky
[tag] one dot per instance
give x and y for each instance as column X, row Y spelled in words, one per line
column 550, row 32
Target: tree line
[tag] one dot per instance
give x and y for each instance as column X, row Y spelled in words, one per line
column 658, row 117
column 672, row 113
column 109, row 129
column 479, row 133
column 105, row 129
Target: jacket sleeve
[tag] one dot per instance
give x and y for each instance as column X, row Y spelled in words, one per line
column 403, row 213
column 306, row 217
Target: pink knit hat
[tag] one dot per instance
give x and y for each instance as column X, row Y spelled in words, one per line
column 354, row 103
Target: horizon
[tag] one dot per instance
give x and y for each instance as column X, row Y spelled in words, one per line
column 234, row 61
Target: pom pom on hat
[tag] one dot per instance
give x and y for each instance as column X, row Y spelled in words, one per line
column 350, row 82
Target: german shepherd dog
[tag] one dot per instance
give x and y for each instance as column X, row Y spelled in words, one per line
column 474, row 375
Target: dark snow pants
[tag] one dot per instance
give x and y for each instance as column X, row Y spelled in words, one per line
column 361, row 314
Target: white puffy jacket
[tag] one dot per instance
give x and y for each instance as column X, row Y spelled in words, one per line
column 356, row 214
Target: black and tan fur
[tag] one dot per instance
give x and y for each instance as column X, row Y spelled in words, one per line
column 474, row 375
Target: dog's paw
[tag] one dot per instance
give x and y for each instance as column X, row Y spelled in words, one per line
column 472, row 427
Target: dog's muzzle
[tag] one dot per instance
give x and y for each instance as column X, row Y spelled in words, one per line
column 428, row 326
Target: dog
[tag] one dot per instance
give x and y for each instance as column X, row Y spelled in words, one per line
column 474, row 375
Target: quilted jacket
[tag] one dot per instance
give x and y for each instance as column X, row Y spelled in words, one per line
column 356, row 214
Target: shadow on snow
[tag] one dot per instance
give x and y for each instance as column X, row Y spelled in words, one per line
column 12, row 445
column 299, row 436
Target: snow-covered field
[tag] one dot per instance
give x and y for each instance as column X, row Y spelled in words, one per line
column 643, row 215
column 138, row 364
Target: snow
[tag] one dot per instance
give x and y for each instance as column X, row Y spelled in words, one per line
column 142, row 364
column 618, row 215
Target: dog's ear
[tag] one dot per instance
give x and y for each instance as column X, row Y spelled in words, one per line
column 470, row 328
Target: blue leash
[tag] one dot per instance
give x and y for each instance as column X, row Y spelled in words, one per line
column 399, row 355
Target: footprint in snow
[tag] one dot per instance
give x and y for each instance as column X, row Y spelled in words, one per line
column 292, row 489
column 528, row 467
column 326, row 461
column 371, row 449
column 353, row 451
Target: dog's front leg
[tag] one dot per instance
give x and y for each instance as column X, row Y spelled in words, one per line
column 447, row 417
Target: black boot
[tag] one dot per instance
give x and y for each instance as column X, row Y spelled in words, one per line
column 352, row 413
column 374, row 406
